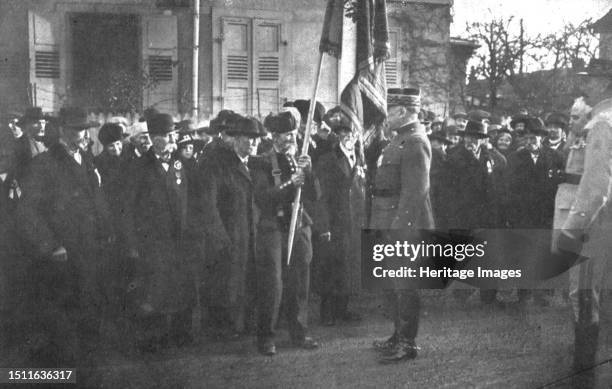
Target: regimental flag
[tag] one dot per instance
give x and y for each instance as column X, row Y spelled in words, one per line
column 364, row 100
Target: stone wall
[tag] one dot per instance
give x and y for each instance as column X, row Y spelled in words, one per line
column 426, row 50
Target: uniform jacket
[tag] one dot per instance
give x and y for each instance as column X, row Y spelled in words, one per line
column 342, row 212
column 532, row 188
column 471, row 194
column 566, row 192
column 229, row 215
column 403, row 168
column 62, row 204
column 157, row 227
column 596, row 184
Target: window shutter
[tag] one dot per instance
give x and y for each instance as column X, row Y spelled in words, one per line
column 393, row 66
column 236, row 64
column 47, row 76
column 160, row 54
column 267, row 45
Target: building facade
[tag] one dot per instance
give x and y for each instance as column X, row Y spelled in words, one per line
column 254, row 55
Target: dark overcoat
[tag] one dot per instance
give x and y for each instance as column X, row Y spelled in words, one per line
column 157, row 210
column 62, row 205
column 227, row 206
column 532, row 187
column 471, row 195
column 342, row 213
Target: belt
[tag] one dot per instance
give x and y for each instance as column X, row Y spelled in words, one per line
column 571, row 178
column 385, row 192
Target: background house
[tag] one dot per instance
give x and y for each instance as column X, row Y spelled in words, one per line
column 119, row 55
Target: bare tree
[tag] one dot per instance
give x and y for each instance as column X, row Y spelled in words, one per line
column 503, row 52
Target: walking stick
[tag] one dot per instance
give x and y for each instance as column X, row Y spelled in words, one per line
column 305, row 145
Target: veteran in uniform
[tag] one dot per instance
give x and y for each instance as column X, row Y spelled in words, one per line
column 401, row 201
column 589, row 218
column 276, row 176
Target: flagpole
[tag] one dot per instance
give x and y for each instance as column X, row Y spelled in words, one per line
column 305, row 145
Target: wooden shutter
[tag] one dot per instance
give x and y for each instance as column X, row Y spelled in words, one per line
column 160, row 55
column 393, row 66
column 47, row 70
column 236, row 64
column 267, row 66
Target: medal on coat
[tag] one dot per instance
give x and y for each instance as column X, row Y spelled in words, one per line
column 177, row 171
column 489, row 167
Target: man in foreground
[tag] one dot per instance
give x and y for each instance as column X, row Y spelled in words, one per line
column 401, row 201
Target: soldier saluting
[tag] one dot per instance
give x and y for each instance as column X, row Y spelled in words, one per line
column 276, row 176
column 401, row 201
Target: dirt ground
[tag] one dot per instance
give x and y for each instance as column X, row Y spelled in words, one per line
column 463, row 345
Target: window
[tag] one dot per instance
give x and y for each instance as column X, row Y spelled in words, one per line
column 393, row 66
column 251, row 65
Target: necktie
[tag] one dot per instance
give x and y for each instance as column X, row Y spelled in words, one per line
column 352, row 160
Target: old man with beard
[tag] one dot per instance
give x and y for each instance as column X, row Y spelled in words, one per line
column 276, row 177
column 157, row 234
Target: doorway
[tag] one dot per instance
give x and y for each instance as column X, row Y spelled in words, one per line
column 106, row 72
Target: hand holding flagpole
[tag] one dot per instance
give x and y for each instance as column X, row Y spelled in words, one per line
column 305, row 145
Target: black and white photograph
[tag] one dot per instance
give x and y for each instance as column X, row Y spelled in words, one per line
column 306, row 194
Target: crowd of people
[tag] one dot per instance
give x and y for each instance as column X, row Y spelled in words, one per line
column 172, row 216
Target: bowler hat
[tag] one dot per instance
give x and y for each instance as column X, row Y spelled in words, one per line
column 32, row 114
column 75, row 118
column 281, row 123
column 460, row 115
column 225, row 119
column 478, row 115
column 520, row 118
column 557, row 118
column 148, row 114
column 160, row 124
column 110, row 133
column 304, row 105
column 337, row 120
column 475, row 129
column 535, row 126
column 246, row 126
column 407, row 97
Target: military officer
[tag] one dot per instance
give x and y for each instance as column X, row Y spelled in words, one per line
column 276, row 176
column 589, row 218
column 401, row 201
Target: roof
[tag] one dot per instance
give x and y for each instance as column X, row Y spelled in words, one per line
column 464, row 42
column 604, row 24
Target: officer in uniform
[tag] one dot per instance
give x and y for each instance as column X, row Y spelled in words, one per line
column 401, row 201
column 589, row 218
column 276, row 177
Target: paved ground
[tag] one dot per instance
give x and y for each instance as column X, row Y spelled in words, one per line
column 462, row 346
